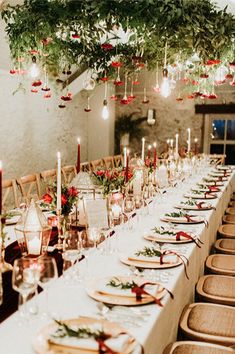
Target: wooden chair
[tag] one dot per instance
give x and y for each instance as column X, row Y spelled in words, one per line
column 229, row 219
column 117, row 160
column 226, row 231
column 230, row 211
column 108, row 162
column 221, row 264
column 225, row 246
column 69, row 172
column 85, row 167
column 48, row 176
column 218, row 289
column 217, row 159
column 209, row 323
column 191, row 347
column 29, row 187
column 96, row 164
column 10, row 197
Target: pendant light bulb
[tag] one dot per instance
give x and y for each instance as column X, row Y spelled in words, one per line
column 105, row 111
column 165, row 86
column 34, row 69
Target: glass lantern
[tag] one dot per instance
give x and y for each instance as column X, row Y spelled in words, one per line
column 32, row 231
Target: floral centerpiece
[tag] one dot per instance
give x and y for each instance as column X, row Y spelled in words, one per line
column 110, row 180
column 69, row 196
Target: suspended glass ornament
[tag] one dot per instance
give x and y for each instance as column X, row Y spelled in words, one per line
column 88, row 84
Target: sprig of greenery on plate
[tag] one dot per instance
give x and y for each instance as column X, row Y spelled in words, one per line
column 189, row 202
column 149, row 252
column 162, row 231
column 179, row 214
column 65, row 330
column 117, row 283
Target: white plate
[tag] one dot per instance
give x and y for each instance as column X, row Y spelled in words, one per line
column 205, row 206
column 183, row 220
column 200, row 196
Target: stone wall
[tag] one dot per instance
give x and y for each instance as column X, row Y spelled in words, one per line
column 171, row 116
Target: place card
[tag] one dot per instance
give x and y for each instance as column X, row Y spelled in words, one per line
column 96, row 213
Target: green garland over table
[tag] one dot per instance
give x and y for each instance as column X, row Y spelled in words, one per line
column 60, row 34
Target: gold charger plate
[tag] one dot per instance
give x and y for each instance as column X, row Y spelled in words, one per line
column 164, row 240
column 42, row 346
column 122, row 300
column 149, row 265
column 201, row 196
column 192, row 207
column 196, row 220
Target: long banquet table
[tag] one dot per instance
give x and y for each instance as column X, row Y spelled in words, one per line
column 66, row 301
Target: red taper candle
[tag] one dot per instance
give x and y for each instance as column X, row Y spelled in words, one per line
column 0, row 187
column 78, row 156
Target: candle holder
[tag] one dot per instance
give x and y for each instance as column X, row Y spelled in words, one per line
column 33, row 232
column 5, row 267
column 59, row 245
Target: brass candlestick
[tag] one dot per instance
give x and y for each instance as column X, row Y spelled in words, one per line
column 5, row 267
column 59, row 245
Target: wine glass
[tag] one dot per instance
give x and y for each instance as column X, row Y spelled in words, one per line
column 47, row 272
column 71, row 251
column 129, row 206
column 25, row 278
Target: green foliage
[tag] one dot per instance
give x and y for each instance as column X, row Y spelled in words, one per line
column 187, row 26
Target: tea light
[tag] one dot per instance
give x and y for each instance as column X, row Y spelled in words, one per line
column 34, row 246
column 116, row 210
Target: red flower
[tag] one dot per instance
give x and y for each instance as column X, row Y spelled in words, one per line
column 113, row 98
column 75, row 36
column 107, row 174
column 47, row 198
column 118, row 83
column 33, row 52
column 130, row 98
column 213, row 62
column 232, row 64
column 229, row 76
column 232, row 83
column 104, row 79
column 46, row 41
column 68, row 97
column 73, row 192
column 124, row 101
column 12, row 71
column 37, row 83
column 100, row 173
column 204, row 95
column 116, row 64
column 204, row 76
column 107, row 46
column 63, row 199
column 212, row 96
column 147, row 162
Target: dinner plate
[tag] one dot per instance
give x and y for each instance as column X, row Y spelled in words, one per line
column 204, row 190
column 200, row 196
column 115, row 298
column 168, row 238
column 12, row 220
column 204, row 207
column 41, row 344
column 213, row 183
column 218, row 177
column 183, row 220
column 149, row 264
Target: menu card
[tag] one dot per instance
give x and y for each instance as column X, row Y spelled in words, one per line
column 96, row 213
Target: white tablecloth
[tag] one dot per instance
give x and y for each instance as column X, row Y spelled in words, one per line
column 162, row 325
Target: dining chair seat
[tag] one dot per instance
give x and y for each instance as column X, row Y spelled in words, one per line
column 229, row 219
column 226, row 246
column 218, row 289
column 226, row 231
column 209, row 323
column 191, row 347
column 10, row 195
column 230, row 211
column 221, row 264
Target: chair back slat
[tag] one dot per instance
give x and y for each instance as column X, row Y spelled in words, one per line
column 85, row 167
column 29, row 187
column 69, row 172
column 10, row 197
column 96, row 164
column 108, row 162
column 117, row 160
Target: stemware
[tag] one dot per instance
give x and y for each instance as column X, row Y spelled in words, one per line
column 25, row 276
column 129, row 207
column 47, row 272
column 71, row 251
